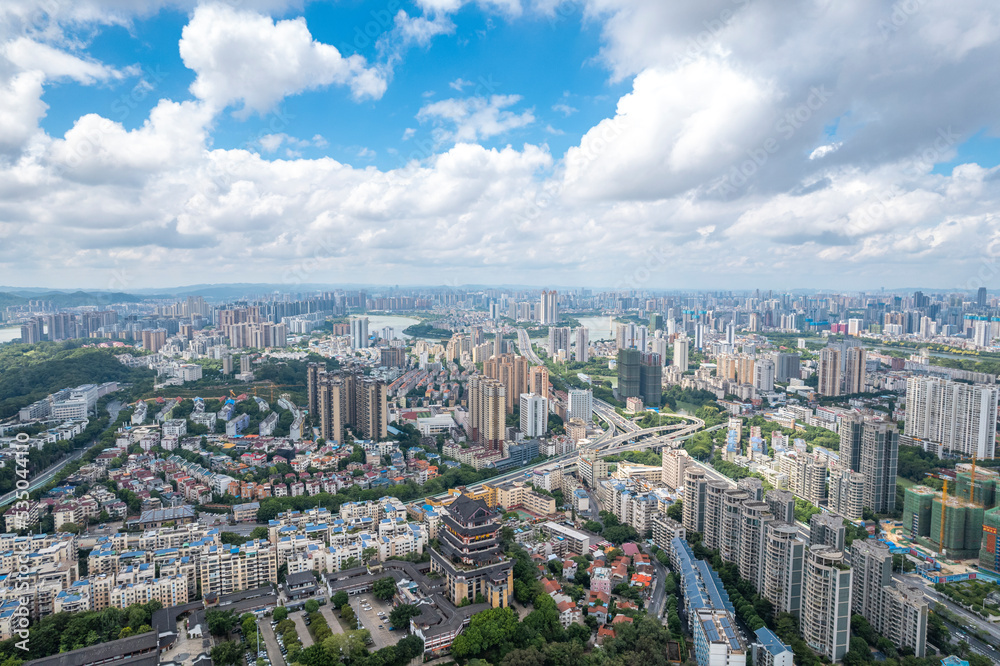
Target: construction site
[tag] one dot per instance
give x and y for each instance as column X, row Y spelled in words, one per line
column 959, row 529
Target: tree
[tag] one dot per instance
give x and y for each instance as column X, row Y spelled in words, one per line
column 225, row 653
column 72, row 528
column 259, row 533
column 676, row 510
column 487, row 630
column 400, row 616
column 311, row 606
column 220, row 623
column 339, row 599
column 384, row 588
column 280, row 613
column 348, row 616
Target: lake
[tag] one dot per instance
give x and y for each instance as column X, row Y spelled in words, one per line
column 377, row 322
column 8, row 334
column 600, row 328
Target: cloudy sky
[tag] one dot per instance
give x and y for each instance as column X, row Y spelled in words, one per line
column 846, row 144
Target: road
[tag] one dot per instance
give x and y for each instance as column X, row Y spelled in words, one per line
column 41, row 479
column 968, row 618
column 961, row 634
column 524, row 347
column 659, row 595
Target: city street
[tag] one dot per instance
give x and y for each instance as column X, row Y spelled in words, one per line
column 967, row 617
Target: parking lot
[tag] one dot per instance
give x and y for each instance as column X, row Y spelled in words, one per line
column 371, row 621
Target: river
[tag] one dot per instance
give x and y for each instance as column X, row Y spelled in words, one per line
column 9, row 334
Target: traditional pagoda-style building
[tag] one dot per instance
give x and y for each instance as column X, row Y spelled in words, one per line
column 470, row 554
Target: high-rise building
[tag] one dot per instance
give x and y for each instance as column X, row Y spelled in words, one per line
column 827, row 529
column 154, row 339
column 470, row 555
column 628, row 373
column 846, row 492
column 359, row 333
column 981, row 297
column 782, row 505
column 580, row 404
column 714, row 501
column 558, row 339
column 829, row 371
column 246, row 364
column 548, row 311
column 787, row 367
column 826, row 605
column 782, row 562
column 763, row 375
column 854, row 377
column 681, row 353
column 951, row 417
column 348, row 399
column 487, row 411
column 650, row 379
column 754, row 517
column 693, row 506
column 511, row 371
column 897, row 612
column 879, row 461
column 591, row 469
column 675, row 463
column 582, row 344
column 851, row 428
column 534, row 415
column 655, row 322
column 538, row 380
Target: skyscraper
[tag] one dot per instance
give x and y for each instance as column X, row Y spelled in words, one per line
column 359, row 333
column 787, row 367
column 655, row 322
column 538, row 380
column 548, row 311
column 534, row 415
column 763, row 375
column 582, row 344
column 829, row 371
column 879, row 460
column 851, row 427
column 650, row 379
column 580, row 403
column 826, row 604
column 981, row 297
column 628, row 373
column 854, row 377
column 898, row 612
column 693, row 505
column 782, row 562
column 511, row 371
column 487, row 411
column 954, row 417
column 681, row 353
column 558, row 339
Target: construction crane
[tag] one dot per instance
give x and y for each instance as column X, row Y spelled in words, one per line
column 944, row 501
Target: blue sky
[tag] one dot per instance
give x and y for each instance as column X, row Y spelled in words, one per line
column 597, row 143
column 547, row 61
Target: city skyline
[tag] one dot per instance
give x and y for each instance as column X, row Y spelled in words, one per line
column 662, row 145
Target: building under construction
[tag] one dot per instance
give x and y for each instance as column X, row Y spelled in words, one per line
column 963, row 530
column 985, row 492
column 989, row 554
column 917, row 511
